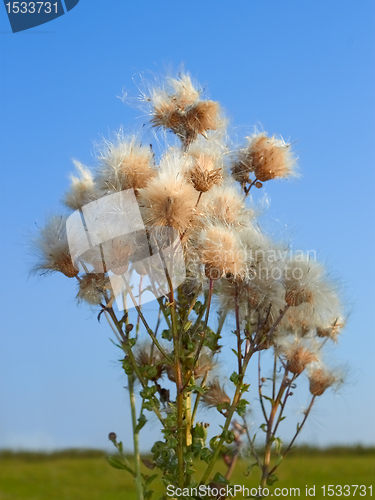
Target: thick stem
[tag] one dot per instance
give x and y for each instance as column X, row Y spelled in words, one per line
column 179, row 390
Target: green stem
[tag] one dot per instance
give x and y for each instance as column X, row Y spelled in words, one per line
column 179, row 389
column 137, row 457
column 197, row 399
column 149, row 331
column 232, row 409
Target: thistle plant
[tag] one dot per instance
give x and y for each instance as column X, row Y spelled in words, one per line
column 194, row 198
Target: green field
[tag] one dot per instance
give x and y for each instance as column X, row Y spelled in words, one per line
column 87, row 475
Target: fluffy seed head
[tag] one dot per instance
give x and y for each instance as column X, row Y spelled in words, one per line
column 298, row 358
column 125, row 164
column 320, row 380
column 215, row 395
column 204, row 175
column 168, row 200
column 306, row 282
column 82, row 189
column 92, row 287
column 221, row 252
column 53, row 249
column 267, row 157
column 145, row 357
column 181, row 111
column 224, row 204
column 204, row 365
column 332, row 331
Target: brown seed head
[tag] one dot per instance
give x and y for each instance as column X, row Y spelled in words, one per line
column 144, row 357
column 204, row 175
column 168, row 203
column 320, row 380
column 65, row 265
column 296, row 296
column 269, row 158
column 298, row 358
column 215, row 395
column 220, row 252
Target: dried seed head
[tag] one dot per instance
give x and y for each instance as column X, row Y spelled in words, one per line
column 221, row 252
column 215, row 395
column 297, row 296
column 298, row 358
column 320, row 380
column 182, row 112
column 224, row 204
column 117, row 253
column 82, row 189
column 125, row 164
column 270, row 157
column 267, row 157
column 52, row 248
column 240, row 171
column 145, row 357
column 331, row 331
column 204, row 365
column 92, row 287
column 204, row 173
column 168, row 201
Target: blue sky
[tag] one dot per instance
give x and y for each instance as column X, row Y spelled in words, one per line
column 301, row 69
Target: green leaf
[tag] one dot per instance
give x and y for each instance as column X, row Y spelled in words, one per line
column 141, row 423
column 187, row 325
column 117, row 464
column 132, row 342
column 219, row 478
column 263, row 427
column 241, row 407
column 197, row 307
column 272, row 401
column 272, row 478
column 250, row 468
column 167, row 334
column 278, row 444
column 234, row 378
column 150, row 479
